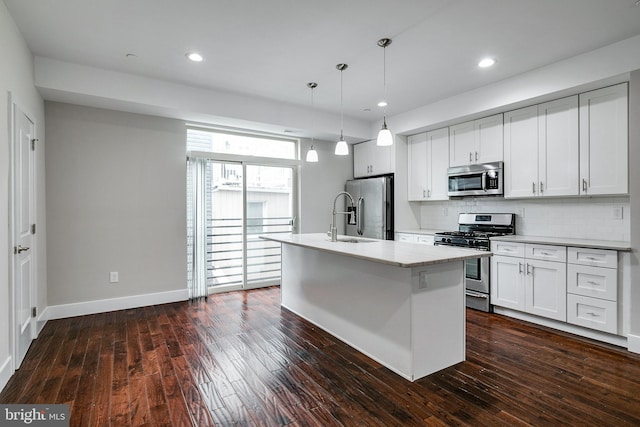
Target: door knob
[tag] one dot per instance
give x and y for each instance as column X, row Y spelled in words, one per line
column 19, row 249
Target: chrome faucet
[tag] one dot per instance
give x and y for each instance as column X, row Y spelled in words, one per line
column 351, row 215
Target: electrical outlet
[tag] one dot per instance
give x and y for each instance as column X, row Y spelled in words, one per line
column 113, row 277
column 617, row 212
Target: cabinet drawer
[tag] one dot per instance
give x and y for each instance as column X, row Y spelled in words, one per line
column 425, row 240
column 546, row 252
column 592, row 313
column 593, row 257
column 507, row 248
column 593, row 281
column 405, row 237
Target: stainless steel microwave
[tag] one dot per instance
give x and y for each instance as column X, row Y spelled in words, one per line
column 476, row 180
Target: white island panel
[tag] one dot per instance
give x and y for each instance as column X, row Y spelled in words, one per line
column 411, row 320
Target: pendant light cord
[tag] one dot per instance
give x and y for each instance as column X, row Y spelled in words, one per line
column 341, row 106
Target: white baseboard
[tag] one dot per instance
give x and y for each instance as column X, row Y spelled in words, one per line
column 41, row 321
column 113, row 304
column 6, row 370
column 633, row 343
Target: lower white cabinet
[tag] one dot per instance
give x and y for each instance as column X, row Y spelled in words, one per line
column 425, row 239
column 573, row 285
column 405, row 237
column 592, row 286
column 523, row 278
column 593, row 313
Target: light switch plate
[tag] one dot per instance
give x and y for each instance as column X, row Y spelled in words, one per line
column 113, row 277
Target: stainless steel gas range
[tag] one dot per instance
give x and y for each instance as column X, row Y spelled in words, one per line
column 474, row 231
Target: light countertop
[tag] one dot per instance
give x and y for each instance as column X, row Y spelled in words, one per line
column 565, row 241
column 398, row 254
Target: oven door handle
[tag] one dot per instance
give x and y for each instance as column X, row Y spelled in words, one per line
column 484, row 182
column 475, row 294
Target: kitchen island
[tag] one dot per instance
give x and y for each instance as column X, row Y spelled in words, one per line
column 399, row 303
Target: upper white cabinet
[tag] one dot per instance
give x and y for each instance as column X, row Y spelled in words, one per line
column 369, row 159
column 479, row 141
column 604, row 141
column 541, row 149
column 428, row 159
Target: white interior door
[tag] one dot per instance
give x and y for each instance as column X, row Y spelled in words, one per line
column 23, row 219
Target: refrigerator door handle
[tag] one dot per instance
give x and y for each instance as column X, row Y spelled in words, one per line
column 359, row 216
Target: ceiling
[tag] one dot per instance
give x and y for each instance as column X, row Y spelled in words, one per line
column 271, row 48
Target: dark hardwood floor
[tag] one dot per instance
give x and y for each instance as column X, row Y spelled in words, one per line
column 239, row 359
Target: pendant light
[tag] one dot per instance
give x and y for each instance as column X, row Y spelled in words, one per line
column 384, row 136
column 342, row 148
column 312, row 154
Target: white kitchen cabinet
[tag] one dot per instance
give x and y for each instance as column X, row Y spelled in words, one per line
column 417, row 167
column 369, row 159
column 405, row 237
column 546, row 289
column 424, row 239
column 604, row 141
column 507, row 282
column 428, row 159
column 541, row 150
column 524, row 279
column 592, row 287
column 478, row 141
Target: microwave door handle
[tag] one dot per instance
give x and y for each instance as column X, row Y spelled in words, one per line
column 484, row 182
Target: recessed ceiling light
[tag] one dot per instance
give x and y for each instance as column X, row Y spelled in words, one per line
column 195, row 57
column 382, row 104
column 486, row 62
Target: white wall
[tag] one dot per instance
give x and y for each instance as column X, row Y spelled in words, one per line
column 320, row 183
column 16, row 76
column 115, row 202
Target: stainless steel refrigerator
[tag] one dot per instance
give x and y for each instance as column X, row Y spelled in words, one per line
column 374, row 207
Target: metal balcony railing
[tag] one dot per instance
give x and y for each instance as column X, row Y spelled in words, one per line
column 225, row 259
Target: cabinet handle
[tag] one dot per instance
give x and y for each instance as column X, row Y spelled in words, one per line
column 541, row 187
column 592, row 258
column 429, row 193
column 533, row 187
column 476, row 156
column 520, row 268
column 424, row 194
column 584, row 185
column 591, row 282
column 470, row 157
column 546, row 253
column 593, row 314
column 529, row 271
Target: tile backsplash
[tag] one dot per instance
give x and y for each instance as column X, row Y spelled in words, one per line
column 605, row 218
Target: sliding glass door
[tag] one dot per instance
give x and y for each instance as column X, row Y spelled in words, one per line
column 230, row 204
column 270, row 209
